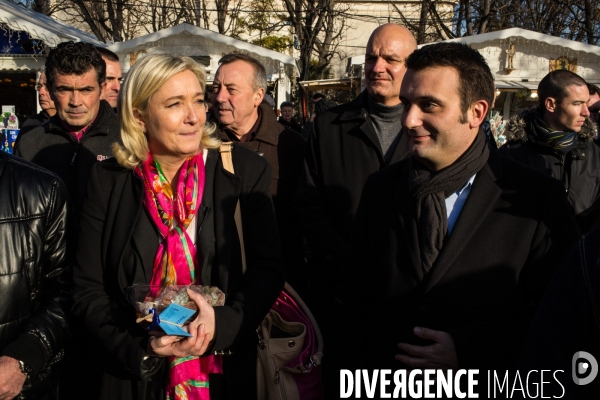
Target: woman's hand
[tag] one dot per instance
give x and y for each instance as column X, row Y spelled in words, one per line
column 202, row 329
column 206, row 314
column 177, row 346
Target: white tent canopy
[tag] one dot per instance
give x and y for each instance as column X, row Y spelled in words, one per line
column 208, row 47
column 530, row 35
column 192, row 40
column 507, row 34
column 535, row 54
column 42, row 27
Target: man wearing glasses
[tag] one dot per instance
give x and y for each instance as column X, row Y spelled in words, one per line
column 46, row 103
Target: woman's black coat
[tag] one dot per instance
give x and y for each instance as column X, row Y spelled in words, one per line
column 117, row 244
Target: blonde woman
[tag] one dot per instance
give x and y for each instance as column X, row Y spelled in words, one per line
column 162, row 213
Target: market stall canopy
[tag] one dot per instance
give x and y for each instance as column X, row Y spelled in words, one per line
column 41, row 27
column 510, row 86
column 520, row 58
column 186, row 39
column 507, row 34
column 529, row 35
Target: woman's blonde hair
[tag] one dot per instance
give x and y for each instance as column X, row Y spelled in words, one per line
column 144, row 79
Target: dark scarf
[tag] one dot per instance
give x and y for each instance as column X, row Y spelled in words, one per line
column 561, row 141
column 429, row 191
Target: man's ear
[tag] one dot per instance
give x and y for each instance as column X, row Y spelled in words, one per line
column 477, row 113
column 139, row 119
column 550, row 104
column 258, row 96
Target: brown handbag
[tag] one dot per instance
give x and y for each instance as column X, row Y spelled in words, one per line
column 290, row 345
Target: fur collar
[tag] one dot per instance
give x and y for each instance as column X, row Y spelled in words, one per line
column 516, row 128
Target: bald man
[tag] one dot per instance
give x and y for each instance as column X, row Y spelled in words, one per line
column 350, row 142
column 346, row 145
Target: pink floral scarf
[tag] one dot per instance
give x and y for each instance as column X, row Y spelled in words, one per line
column 175, row 261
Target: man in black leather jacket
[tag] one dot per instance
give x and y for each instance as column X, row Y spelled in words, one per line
column 34, row 278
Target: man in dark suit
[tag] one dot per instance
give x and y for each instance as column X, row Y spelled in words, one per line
column 454, row 246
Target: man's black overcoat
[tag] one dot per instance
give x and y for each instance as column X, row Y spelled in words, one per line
column 510, row 237
column 342, row 151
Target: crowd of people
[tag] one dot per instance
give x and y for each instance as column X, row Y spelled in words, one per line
column 414, row 240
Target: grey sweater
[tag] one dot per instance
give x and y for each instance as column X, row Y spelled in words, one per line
column 386, row 122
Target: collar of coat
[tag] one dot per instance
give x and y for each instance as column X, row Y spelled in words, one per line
column 101, row 124
column 268, row 131
column 516, row 129
column 357, row 108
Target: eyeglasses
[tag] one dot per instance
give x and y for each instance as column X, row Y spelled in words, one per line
column 38, row 86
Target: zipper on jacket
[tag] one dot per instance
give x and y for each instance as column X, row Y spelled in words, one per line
column 72, row 164
column 563, row 173
column 88, row 134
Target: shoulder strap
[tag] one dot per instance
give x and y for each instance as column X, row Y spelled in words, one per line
column 227, row 160
column 315, row 359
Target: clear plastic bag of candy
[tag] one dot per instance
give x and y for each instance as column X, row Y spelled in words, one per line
column 149, row 300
